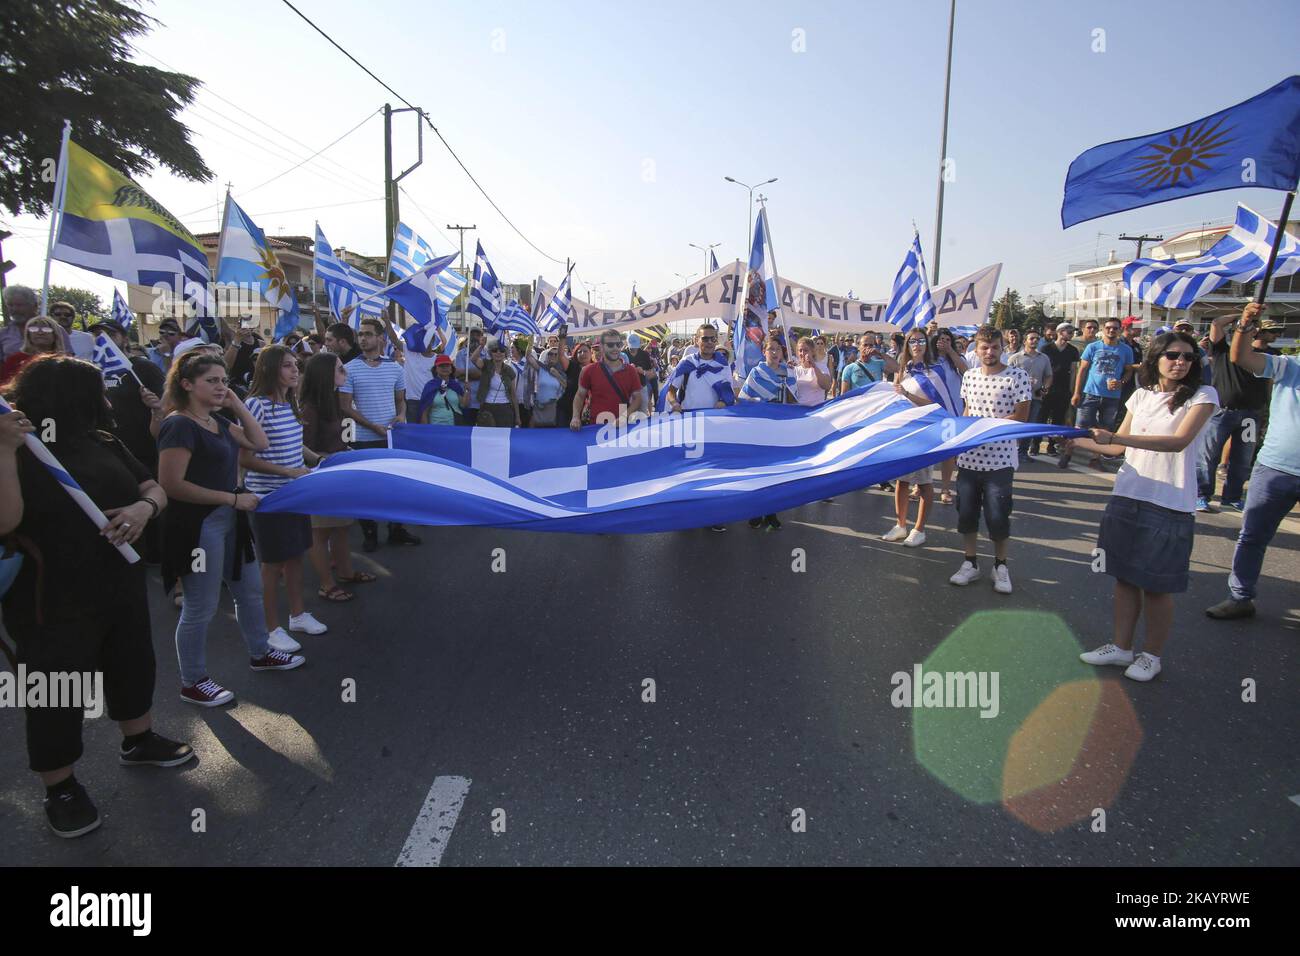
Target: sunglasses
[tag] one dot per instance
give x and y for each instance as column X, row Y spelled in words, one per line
column 1173, row 355
column 61, row 314
column 708, row 338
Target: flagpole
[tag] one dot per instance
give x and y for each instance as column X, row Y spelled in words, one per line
column 943, row 145
column 1277, row 244
column 776, row 275
column 56, row 209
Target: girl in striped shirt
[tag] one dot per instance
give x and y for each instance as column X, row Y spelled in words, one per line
column 280, row 539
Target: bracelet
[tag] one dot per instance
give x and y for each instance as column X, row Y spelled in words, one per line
column 234, row 499
column 152, row 504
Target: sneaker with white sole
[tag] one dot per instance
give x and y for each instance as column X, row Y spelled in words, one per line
column 896, row 533
column 307, row 624
column 965, row 574
column 1001, row 579
column 1108, row 654
column 280, row 640
column 206, row 693
column 915, row 539
column 1143, row 668
column 274, row 660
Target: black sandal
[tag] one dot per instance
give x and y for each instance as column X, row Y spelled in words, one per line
column 335, row 594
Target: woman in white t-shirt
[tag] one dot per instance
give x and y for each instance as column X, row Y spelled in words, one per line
column 1146, row 533
column 812, row 381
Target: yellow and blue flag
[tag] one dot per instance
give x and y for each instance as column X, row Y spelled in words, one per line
column 111, row 226
column 1255, row 143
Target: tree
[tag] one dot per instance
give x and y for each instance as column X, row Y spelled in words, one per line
column 1008, row 312
column 68, row 59
column 87, row 304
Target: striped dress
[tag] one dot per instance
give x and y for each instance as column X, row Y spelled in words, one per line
column 285, row 433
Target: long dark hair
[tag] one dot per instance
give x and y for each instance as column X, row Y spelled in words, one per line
column 932, row 351
column 69, row 391
column 1149, row 373
column 266, row 376
column 317, row 387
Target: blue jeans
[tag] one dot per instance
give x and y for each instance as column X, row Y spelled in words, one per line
column 1096, row 411
column 1272, row 496
column 1035, row 408
column 1226, row 423
column 202, row 590
column 988, row 492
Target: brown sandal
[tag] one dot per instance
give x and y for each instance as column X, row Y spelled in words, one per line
column 358, row 577
column 335, row 594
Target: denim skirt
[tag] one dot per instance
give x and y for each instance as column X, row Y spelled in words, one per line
column 280, row 537
column 1147, row 546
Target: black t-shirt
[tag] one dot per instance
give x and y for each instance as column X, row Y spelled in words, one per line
column 571, row 375
column 1131, row 385
column 1061, row 359
column 214, row 457
column 132, row 416
column 642, row 360
column 241, row 370
column 1237, row 388
column 74, row 557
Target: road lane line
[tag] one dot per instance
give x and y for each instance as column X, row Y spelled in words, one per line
column 434, row 823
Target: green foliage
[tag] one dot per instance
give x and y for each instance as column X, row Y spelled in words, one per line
column 86, row 303
column 69, row 59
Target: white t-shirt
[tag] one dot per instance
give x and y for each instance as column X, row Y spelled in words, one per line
column 699, row 392
column 993, row 396
column 419, row 373
column 82, row 344
column 1164, row 478
column 807, row 391
column 497, row 394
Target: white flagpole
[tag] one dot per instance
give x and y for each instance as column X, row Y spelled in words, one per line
column 56, row 209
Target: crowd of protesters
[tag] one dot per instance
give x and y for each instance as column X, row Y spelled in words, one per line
column 178, row 453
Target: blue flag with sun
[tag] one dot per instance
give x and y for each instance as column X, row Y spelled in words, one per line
column 1255, row 143
column 247, row 258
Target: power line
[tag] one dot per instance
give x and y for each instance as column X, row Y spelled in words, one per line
column 435, row 129
column 313, row 155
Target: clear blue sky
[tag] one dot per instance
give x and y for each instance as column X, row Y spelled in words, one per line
column 604, row 130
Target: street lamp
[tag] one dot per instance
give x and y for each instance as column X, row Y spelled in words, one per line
column 686, row 279
column 749, row 233
column 705, row 250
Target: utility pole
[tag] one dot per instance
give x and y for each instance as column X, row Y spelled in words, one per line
column 943, row 149
column 1140, row 240
column 464, row 292
column 391, row 215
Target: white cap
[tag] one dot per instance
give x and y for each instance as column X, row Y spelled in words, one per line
column 185, row 345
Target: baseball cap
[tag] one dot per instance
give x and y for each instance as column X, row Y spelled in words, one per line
column 186, row 345
column 442, row 360
column 1065, row 327
column 634, row 341
column 1268, row 325
column 110, row 325
column 1131, row 320
column 169, row 325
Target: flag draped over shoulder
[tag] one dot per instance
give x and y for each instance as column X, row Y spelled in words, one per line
column 1240, row 256
column 111, row 226
column 669, row 473
column 1255, row 143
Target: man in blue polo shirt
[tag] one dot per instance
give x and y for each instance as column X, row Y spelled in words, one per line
column 1275, row 480
column 868, row 367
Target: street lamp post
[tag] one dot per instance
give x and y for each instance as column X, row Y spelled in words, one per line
column 749, row 232
column 705, row 249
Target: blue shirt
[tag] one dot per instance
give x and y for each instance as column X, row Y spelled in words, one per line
column 284, row 431
column 855, row 374
column 1281, row 450
column 373, row 392
column 1105, row 361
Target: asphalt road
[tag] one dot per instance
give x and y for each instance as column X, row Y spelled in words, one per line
column 771, row 739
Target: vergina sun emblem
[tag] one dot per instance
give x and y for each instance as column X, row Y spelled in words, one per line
column 1183, row 155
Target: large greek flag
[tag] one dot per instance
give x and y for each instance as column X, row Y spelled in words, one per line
column 1240, row 256
column 411, row 253
column 669, row 473
column 485, row 294
column 515, row 318
column 559, row 309
column 910, row 304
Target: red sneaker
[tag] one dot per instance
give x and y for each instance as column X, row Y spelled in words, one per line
column 206, row 693
column 274, row 660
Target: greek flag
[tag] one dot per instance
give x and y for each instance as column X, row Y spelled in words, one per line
column 964, row 331
column 765, row 385
column 668, row 473
column 122, row 313
column 559, row 309
column 418, row 295
column 485, row 294
column 910, row 304
column 334, row 273
column 1240, row 256
column 515, row 318
column 112, row 363
column 411, row 253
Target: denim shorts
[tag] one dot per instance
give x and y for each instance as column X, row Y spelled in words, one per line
column 1147, row 546
column 1097, row 411
column 987, row 492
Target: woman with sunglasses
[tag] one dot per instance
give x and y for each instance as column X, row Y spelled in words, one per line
column 40, row 337
column 1146, row 532
column 920, row 379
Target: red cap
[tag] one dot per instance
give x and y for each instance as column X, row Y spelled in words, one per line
column 1131, row 320
column 442, row 360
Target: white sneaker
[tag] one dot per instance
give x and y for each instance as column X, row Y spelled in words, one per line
column 1143, row 668
column 1001, row 579
column 965, row 574
column 915, row 539
column 306, row 623
column 896, row 533
column 1108, row 654
column 280, row 640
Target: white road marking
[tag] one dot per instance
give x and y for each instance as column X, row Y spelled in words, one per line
column 434, row 823
column 1295, row 799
